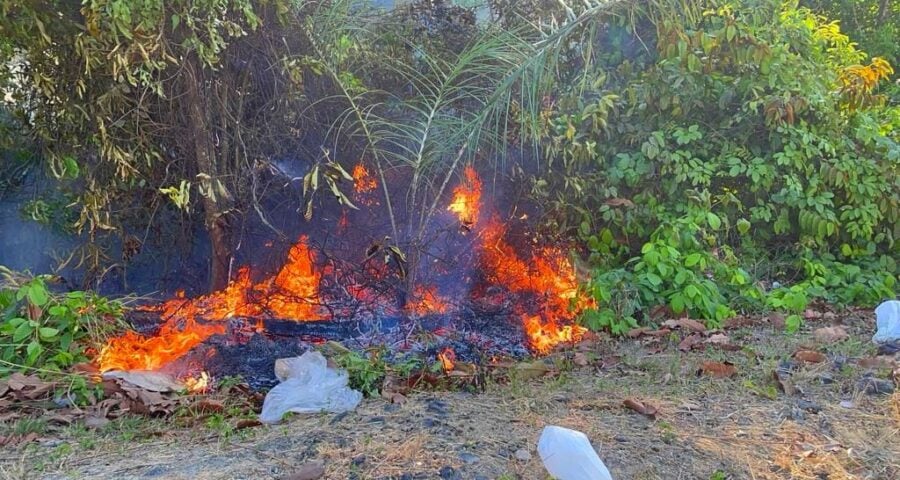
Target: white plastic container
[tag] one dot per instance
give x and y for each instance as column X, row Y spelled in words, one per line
column 887, row 319
column 568, row 455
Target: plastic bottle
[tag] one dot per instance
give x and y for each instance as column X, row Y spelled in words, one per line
column 568, row 455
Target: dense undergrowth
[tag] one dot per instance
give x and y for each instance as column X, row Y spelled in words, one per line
column 713, row 157
column 740, row 160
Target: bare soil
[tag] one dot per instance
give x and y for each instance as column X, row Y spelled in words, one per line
column 824, row 426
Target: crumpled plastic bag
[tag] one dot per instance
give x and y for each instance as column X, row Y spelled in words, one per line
column 887, row 320
column 568, row 455
column 308, row 385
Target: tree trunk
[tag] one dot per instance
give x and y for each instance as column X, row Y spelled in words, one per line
column 201, row 145
column 882, row 12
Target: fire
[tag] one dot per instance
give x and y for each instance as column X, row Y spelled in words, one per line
column 426, row 300
column 291, row 294
column 200, row 384
column 549, row 275
column 467, row 198
column 447, row 357
column 364, row 184
column 296, row 287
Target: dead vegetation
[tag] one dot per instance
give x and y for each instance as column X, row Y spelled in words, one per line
column 649, row 407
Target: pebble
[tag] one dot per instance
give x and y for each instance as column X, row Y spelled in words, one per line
column 469, row 458
column 847, row 404
column 438, row 406
column 449, row 473
column 876, row 386
column 522, row 455
column 430, row 423
column 809, row 406
column 620, row 438
column 826, row 378
column 786, row 367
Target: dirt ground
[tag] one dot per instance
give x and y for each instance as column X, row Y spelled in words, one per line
column 823, row 425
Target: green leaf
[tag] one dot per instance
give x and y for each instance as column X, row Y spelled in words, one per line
column 22, row 332
column 792, row 323
column 677, row 303
column 714, row 221
column 37, row 294
column 34, row 350
column 743, row 226
column 692, row 259
column 654, row 279
column 47, row 333
column 691, row 291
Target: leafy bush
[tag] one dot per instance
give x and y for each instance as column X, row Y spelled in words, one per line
column 750, row 128
column 49, row 332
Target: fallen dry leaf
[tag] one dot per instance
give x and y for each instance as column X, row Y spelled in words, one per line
column 641, row 407
column 637, row 332
column 580, row 359
column 810, row 314
column 308, row 471
column 739, row 321
column 146, row 380
column 690, row 342
column 719, row 338
column 776, row 320
column 809, row 356
column 398, row 398
column 874, row 363
column 209, row 406
column 830, row 334
column 529, row 370
column 247, row 423
column 610, row 361
column 12, row 440
column 94, row 422
column 686, row 324
column 717, row 369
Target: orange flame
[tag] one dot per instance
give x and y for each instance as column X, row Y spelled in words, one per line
column 467, row 198
column 447, row 357
column 200, row 384
column 549, row 275
column 426, row 300
column 364, row 184
column 290, row 294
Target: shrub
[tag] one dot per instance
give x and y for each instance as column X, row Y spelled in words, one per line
column 750, row 128
column 46, row 331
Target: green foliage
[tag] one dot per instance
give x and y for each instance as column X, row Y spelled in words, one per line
column 47, row 331
column 752, row 127
column 367, row 372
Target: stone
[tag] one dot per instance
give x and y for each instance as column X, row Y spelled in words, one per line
column 437, row 406
column 522, row 455
column 469, row 458
column 449, row 473
column 811, row 407
column 876, row 386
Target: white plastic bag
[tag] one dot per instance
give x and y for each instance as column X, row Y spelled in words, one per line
column 307, row 386
column 568, row 455
column 887, row 319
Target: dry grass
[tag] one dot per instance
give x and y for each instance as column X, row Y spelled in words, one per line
column 706, row 428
